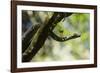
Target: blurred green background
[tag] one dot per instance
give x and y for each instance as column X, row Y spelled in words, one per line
column 75, row 49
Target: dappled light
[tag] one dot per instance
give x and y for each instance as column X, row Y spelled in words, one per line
column 75, row 27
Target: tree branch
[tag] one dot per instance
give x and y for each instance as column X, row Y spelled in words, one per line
column 63, row 39
column 59, row 18
column 41, row 36
column 27, row 36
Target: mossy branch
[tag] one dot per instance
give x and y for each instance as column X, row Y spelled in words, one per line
column 40, row 37
column 63, row 39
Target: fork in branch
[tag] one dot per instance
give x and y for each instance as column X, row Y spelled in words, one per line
column 41, row 35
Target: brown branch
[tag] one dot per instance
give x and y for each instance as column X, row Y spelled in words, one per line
column 63, row 39
column 42, row 36
column 26, row 39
